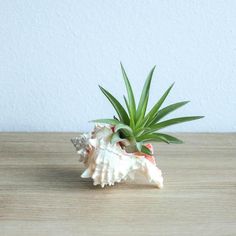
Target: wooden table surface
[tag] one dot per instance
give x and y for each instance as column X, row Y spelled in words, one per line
column 41, row 192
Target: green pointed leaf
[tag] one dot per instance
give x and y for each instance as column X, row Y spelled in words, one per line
column 106, row 121
column 139, row 132
column 141, row 117
column 139, row 146
column 124, row 127
column 142, row 106
column 132, row 106
column 152, row 137
column 165, row 111
column 171, row 139
column 123, row 116
column 115, row 138
column 146, row 150
column 127, row 104
column 159, row 137
column 156, row 107
column 174, row 121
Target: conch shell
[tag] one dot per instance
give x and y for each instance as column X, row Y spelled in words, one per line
column 108, row 163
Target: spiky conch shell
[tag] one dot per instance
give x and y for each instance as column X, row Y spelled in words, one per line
column 108, row 163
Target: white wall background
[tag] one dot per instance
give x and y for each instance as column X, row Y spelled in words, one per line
column 53, row 54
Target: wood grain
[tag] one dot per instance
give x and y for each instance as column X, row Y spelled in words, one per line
column 41, row 192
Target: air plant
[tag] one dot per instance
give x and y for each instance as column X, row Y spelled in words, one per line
column 135, row 126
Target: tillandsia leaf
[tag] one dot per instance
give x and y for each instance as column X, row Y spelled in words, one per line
column 145, row 150
column 139, row 146
column 142, row 106
column 118, row 107
column 141, row 117
column 174, row 121
column 150, row 116
column 159, row 137
column 166, row 110
column 125, row 128
column 132, row 147
column 115, row 138
column 127, row 104
column 132, row 106
column 107, row 121
column 171, row 139
column 152, row 137
column 138, row 132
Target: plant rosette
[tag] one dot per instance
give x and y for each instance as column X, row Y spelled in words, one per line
column 118, row 148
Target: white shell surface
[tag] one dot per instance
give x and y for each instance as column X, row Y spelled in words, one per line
column 108, row 163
